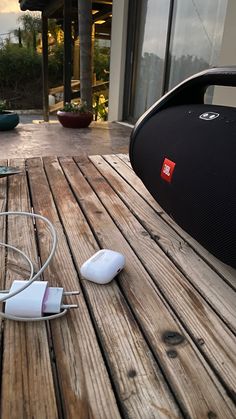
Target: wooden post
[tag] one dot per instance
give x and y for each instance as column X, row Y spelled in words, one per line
column 92, row 53
column 85, row 29
column 76, row 66
column 67, row 50
column 45, row 67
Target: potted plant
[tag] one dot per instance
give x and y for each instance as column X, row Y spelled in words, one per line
column 8, row 119
column 75, row 115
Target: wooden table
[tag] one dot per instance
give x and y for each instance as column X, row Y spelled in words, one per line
column 158, row 342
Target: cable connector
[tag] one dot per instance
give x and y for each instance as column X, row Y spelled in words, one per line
column 36, row 300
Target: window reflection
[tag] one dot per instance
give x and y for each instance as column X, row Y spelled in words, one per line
column 150, row 51
column 195, row 42
column 196, row 37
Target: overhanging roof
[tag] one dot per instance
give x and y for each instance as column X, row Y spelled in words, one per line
column 103, row 6
column 33, row 5
column 54, row 9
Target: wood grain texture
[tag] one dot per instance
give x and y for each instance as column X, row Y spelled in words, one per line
column 194, row 311
column 118, row 163
column 212, row 287
column 27, row 382
column 125, row 158
column 84, row 383
column 139, row 383
column 184, row 368
column 148, row 344
column 3, row 202
column 201, row 321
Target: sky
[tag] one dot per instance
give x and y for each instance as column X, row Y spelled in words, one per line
column 9, row 13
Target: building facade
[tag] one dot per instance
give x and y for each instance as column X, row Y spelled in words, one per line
column 155, row 44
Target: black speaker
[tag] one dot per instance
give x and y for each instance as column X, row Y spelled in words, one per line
column 184, row 151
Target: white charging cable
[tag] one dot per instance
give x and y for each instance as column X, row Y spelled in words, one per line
column 54, row 295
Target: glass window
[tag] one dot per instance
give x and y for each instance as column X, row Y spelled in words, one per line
column 196, row 37
column 149, row 55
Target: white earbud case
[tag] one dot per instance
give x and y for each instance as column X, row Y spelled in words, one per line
column 103, row 266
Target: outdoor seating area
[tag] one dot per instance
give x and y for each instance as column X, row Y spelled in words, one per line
column 157, row 342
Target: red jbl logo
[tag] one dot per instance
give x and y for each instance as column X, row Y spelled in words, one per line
column 167, row 170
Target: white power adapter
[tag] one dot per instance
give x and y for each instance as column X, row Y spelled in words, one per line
column 30, row 300
column 35, row 300
column 102, row 267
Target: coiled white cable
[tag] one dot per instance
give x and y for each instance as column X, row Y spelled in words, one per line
column 32, row 277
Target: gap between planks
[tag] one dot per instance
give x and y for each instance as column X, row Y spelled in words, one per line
column 84, row 383
column 225, row 271
column 27, row 369
column 116, row 328
column 86, row 199
column 189, row 302
column 211, row 286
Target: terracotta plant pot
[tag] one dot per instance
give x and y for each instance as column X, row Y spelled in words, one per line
column 8, row 120
column 75, row 119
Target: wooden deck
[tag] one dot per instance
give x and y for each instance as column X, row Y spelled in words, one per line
column 158, row 342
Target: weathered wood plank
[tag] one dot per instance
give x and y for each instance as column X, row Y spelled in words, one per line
column 189, row 305
column 163, row 234
column 224, row 270
column 124, row 157
column 186, row 371
column 198, row 317
column 27, row 381
column 3, row 201
column 84, row 384
column 75, row 84
column 213, row 288
column 139, row 383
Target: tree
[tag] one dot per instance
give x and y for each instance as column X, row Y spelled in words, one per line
column 101, row 59
column 85, row 35
column 31, row 26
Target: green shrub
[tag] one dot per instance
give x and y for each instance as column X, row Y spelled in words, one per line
column 55, row 65
column 21, row 75
column 101, row 61
column 18, row 65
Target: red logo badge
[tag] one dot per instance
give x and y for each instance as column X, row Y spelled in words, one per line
column 167, row 170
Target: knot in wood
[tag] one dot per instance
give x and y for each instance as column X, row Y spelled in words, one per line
column 172, row 354
column 173, row 338
column 211, row 415
column 132, row 373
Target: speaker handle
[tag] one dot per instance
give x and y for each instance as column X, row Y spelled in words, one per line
column 193, row 89
column 190, row 91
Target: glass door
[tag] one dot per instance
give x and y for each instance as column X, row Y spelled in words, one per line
column 146, row 55
column 169, row 40
column 196, row 37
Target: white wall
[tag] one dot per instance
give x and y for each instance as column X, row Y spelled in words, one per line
column 226, row 95
column 117, row 60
